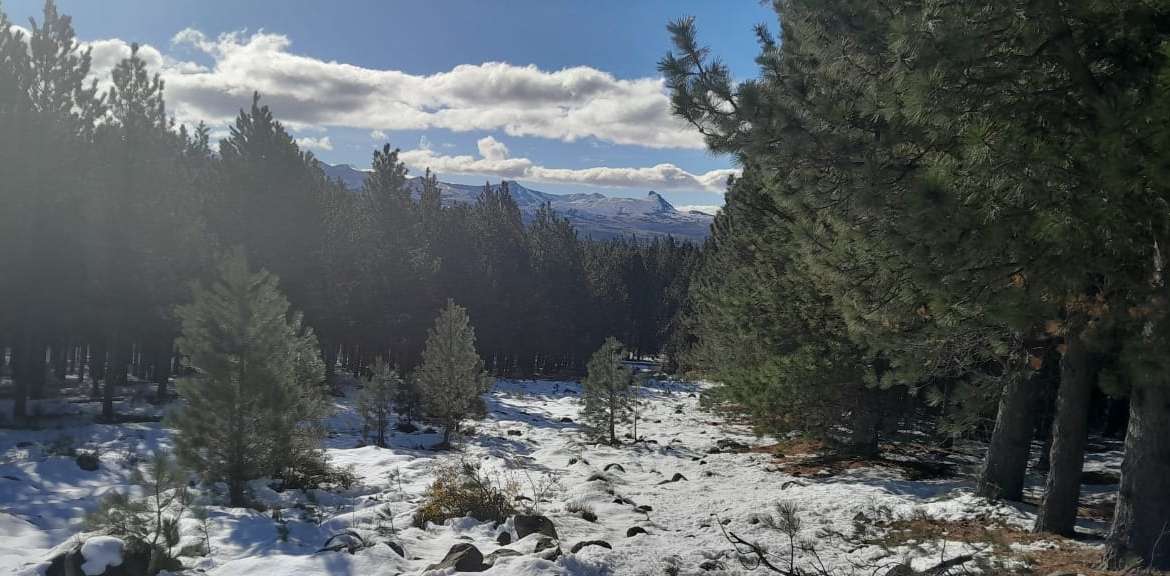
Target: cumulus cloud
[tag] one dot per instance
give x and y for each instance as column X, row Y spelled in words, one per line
column 493, row 161
column 567, row 104
column 378, row 135
column 311, row 143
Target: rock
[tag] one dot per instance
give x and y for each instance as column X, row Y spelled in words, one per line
column 346, row 540
column 547, row 549
column 104, row 556
column 463, row 558
column 901, row 570
column 490, row 559
column 634, row 531
column 514, row 433
column 709, row 565
column 87, row 461
column 572, row 461
column 677, row 477
column 429, row 430
column 396, row 547
column 613, row 465
column 644, row 508
column 545, row 543
column 534, row 524
column 504, row 538
column 729, row 445
column 406, row 427
column 578, row 546
column 567, row 420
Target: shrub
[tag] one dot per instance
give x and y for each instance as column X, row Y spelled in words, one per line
column 585, row 512
column 462, row 490
column 150, row 525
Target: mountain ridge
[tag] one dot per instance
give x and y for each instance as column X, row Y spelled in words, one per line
column 594, row 215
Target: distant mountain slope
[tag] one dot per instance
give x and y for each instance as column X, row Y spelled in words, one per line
column 594, row 215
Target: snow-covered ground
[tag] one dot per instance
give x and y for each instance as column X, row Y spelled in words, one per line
column 530, row 437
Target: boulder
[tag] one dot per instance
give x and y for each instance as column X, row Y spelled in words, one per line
column 504, row 538
column 396, row 547
column 634, row 531
column 567, row 420
column 644, row 508
column 462, row 557
column 406, row 427
column 613, row 465
column 578, row 546
column 87, row 461
column 709, row 565
column 514, row 432
column 677, row 477
column 526, row 524
column 490, row 559
column 346, row 540
column 547, row 549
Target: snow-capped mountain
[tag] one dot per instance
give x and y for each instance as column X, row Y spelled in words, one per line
column 593, row 215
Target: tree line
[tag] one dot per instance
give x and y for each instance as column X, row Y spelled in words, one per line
column 954, row 212
column 111, row 211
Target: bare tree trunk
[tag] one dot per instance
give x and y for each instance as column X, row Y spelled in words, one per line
column 1058, row 512
column 162, row 369
column 19, row 379
column 1006, row 462
column 1141, row 521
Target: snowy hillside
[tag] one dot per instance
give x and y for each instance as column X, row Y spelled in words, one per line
column 669, row 500
column 595, row 215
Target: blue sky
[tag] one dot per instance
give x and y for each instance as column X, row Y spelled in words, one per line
column 560, row 96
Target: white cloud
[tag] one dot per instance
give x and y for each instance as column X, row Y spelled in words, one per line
column 378, row 135
column 491, row 149
column 567, row 104
column 494, row 162
column 323, row 143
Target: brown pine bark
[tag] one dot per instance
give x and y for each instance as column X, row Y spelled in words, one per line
column 1004, row 467
column 1062, row 489
column 1141, row 521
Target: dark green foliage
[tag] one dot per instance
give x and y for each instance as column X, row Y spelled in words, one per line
column 606, row 391
column 451, row 376
column 151, row 523
column 376, row 400
column 111, row 211
column 255, row 408
column 963, row 189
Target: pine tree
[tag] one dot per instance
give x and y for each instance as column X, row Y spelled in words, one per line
column 451, row 377
column 606, row 390
column 254, row 407
column 376, row 400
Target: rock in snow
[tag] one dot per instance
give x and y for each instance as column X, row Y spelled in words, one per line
column 534, row 524
column 101, row 552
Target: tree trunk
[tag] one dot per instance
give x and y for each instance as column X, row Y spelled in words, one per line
column 38, row 369
column 60, row 364
column 1006, row 462
column 1141, row 521
column 866, row 419
column 97, row 368
column 20, row 380
column 115, row 376
column 1062, row 490
column 162, row 369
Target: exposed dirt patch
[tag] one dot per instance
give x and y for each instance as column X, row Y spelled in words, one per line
column 829, row 465
column 1050, row 554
